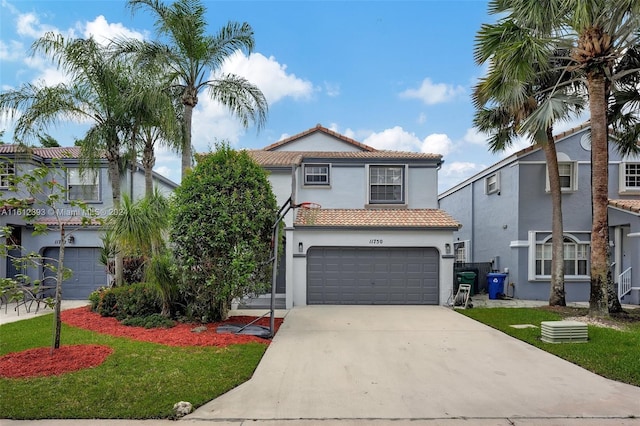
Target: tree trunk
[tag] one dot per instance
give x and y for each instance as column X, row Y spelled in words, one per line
column 57, row 307
column 113, row 158
column 189, row 100
column 148, row 161
column 557, row 292
column 602, row 296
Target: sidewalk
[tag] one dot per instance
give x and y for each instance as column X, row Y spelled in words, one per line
column 9, row 313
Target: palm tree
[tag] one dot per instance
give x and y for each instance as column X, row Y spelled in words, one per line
column 189, row 58
column 598, row 32
column 508, row 103
column 155, row 119
column 98, row 92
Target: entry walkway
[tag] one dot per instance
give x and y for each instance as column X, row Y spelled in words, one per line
column 357, row 363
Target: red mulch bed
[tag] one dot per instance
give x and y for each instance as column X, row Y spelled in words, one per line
column 179, row 335
column 38, row 362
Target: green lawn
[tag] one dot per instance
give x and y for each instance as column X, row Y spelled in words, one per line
column 611, row 353
column 139, row 380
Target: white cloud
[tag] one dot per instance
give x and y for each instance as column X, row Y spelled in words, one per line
column 29, row 25
column 433, row 93
column 422, row 118
column 475, row 137
column 437, row 143
column 453, row 173
column 11, row 51
column 394, row 139
column 398, row 139
column 103, row 32
column 269, row 75
column 332, row 89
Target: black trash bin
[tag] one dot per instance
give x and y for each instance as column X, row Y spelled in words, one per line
column 466, row 277
column 495, row 284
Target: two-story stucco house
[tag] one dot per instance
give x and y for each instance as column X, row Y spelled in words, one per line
column 505, row 211
column 82, row 248
column 378, row 236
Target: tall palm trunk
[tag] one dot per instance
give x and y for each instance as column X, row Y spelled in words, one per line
column 189, row 100
column 148, row 161
column 113, row 159
column 603, row 298
column 557, row 292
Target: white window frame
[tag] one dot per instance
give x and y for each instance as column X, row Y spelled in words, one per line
column 573, row 175
column 623, row 184
column 86, row 178
column 403, row 184
column 7, row 169
column 541, row 241
column 461, row 251
column 492, row 179
column 318, row 173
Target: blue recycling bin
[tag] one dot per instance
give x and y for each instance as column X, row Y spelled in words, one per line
column 495, row 284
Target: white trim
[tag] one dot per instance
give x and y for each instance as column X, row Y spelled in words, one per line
column 519, row 243
column 405, row 185
column 634, row 235
column 622, row 175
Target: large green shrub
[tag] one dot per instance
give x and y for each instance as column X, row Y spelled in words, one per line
column 221, row 230
column 135, row 300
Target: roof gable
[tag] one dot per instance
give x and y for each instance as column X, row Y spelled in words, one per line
column 289, row 143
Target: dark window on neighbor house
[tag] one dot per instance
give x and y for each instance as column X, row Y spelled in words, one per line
column 7, row 170
column 316, row 174
column 83, row 186
column 632, row 175
column 576, row 257
column 386, row 184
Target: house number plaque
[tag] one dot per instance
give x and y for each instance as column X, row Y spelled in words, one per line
column 375, row 241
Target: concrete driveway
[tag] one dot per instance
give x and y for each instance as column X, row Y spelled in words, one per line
column 408, row 363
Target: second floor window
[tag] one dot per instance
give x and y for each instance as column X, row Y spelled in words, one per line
column 7, row 170
column 568, row 172
column 492, row 184
column 316, row 174
column 83, row 186
column 386, row 184
column 632, row 176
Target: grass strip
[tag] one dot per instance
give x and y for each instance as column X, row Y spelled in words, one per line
column 138, row 381
column 614, row 354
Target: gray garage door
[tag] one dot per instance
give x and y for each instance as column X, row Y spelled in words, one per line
column 88, row 273
column 372, row 276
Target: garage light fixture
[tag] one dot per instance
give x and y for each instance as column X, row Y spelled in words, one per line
column 300, row 248
column 447, row 248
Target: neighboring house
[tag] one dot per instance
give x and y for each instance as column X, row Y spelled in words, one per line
column 378, row 238
column 82, row 248
column 505, row 211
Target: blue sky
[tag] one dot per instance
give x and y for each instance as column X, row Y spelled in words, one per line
column 392, row 74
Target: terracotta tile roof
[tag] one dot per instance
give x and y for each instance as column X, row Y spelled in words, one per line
column 398, row 218
column 49, row 153
column 320, row 128
column 289, row 158
column 629, row 205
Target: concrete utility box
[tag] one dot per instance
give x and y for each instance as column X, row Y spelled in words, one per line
column 564, row 331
